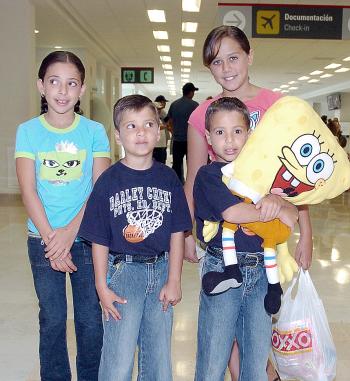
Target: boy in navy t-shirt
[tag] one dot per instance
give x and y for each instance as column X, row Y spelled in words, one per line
column 238, row 312
column 135, row 218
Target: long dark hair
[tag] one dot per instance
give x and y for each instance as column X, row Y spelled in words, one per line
column 64, row 57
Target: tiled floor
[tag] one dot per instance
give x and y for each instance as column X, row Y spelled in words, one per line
column 18, row 315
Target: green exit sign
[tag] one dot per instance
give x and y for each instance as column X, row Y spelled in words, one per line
column 137, row 75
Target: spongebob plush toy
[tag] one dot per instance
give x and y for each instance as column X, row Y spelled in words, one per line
column 293, row 154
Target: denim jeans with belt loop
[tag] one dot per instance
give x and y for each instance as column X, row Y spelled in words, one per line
column 143, row 322
column 50, row 287
column 237, row 313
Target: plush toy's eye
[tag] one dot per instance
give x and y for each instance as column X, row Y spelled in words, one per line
column 305, row 148
column 320, row 167
column 71, row 163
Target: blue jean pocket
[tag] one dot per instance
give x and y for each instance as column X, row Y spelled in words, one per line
column 212, row 264
column 36, row 252
column 114, row 270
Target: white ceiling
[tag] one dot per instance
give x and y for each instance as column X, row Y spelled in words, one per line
column 120, row 34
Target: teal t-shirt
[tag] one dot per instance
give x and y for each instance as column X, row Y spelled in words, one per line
column 63, row 163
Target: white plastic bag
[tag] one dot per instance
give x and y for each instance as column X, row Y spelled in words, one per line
column 302, row 343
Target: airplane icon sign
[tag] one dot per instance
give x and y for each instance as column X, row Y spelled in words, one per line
column 268, row 22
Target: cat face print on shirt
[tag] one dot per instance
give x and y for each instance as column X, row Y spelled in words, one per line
column 62, row 165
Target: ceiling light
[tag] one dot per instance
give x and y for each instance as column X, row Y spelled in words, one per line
column 293, row 88
column 285, row 91
column 189, row 42
column 169, row 78
column 163, row 48
column 185, row 70
column 160, row 34
column 313, row 80
column 292, row 82
column 276, row 89
column 168, row 72
column 186, row 54
column 170, row 82
column 326, row 75
column 173, row 93
column 165, row 58
column 36, row 31
column 316, row 72
column 332, row 66
column 156, row 15
column 303, row 78
column 189, row 27
column 58, row 47
column 185, row 76
column 186, row 63
column 167, row 66
column 346, row 59
column 284, row 86
column 191, row 5
column 342, row 70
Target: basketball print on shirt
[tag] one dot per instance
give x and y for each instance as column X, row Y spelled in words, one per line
column 142, row 223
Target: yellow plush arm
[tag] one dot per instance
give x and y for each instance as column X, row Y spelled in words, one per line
column 210, row 229
column 286, row 263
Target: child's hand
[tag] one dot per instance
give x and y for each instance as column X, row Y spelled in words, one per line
column 190, row 249
column 303, row 253
column 289, row 215
column 270, row 207
column 107, row 298
column 64, row 265
column 61, row 241
column 170, row 294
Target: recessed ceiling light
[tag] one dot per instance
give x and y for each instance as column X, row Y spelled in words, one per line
column 189, row 42
column 167, row 66
column 160, row 34
column 316, row 72
column 170, row 82
column 292, row 82
column 169, row 78
column 168, row 72
column 186, row 63
column 191, row 5
column 185, row 76
column 186, row 54
column 36, row 31
column 189, row 27
column 185, row 70
column 327, row 75
column 284, row 86
column 285, row 91
column 332, row 66
column 303, row 78
column 58, row 47
column 342, row 70
column 276, row 89
column 346, row 59
column 165, row 58
column 293, row 88
column 313, row 80
column 163, row 48
column 173, row 93
column 156, row 15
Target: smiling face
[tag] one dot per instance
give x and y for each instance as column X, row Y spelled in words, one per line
column 138, row 133
column 230, row 66
column 62, row 86
column 228, row 134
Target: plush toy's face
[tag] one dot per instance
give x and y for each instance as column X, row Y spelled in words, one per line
column 291, row 153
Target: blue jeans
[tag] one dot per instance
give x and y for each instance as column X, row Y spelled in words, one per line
column 50, row 287
column 143, row 324
column 237, row 313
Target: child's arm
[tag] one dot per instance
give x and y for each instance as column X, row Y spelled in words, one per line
column 62, row 239
column 107, row 296
column 171, row 291
column 303, row 251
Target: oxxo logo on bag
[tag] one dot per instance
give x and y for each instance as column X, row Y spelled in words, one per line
column 293, row 341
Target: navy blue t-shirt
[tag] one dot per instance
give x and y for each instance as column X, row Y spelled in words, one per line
column 135, row 211
column 211, row 198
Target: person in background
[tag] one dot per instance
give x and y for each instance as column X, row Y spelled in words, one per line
column 59, row 155
column 179, row 113
column 324, row 118
column 159, row 152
